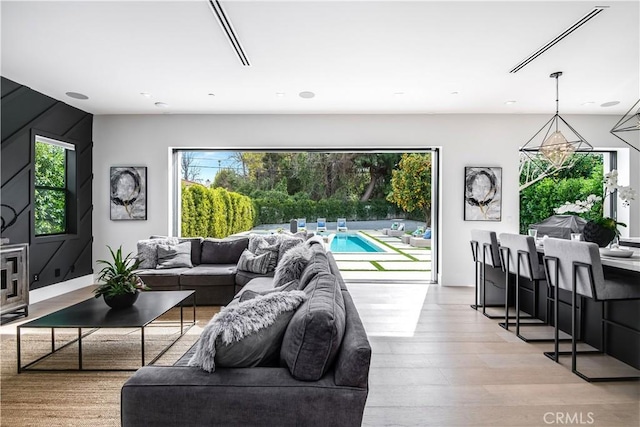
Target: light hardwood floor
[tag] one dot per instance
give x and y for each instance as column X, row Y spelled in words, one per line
column 436, row 362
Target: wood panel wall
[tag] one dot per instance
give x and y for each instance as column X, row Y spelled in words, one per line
column 52, row 259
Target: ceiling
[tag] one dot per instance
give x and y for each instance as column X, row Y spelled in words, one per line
column 398, row 57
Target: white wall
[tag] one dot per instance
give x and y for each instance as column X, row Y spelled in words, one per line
column 466, row 140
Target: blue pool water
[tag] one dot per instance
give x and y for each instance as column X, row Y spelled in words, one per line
column 352, row 243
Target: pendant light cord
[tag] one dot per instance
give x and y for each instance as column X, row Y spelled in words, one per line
column 556, row 75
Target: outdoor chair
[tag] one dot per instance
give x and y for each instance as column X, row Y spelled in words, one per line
column 322, row 224
column 397, row 229
column 302, row 224
column 576, row 267
column 342, row 224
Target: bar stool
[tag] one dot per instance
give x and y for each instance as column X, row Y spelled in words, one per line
column 517, row 253
column 486, row 241
column 576, row 267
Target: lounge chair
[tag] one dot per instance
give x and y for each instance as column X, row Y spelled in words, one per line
column 397, row 229
column 322, row 224
column 421, row 238
column 302, row 224
column 342, row 224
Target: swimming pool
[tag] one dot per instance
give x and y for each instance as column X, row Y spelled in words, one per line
column 342, row 243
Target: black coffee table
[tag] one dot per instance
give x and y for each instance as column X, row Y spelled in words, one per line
column 95, row 314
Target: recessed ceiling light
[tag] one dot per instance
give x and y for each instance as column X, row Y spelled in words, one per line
column 454, row 92
column 145, row 94
column 281, row 94
column 610, row 104
column 306, row 95
column 510, row 102
column 211, row 94
column 587, row 103
column 76, row 95
column 162, row 105
column 398, row 93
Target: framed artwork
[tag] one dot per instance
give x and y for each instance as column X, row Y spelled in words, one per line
column 128, row 193
column 482, row 194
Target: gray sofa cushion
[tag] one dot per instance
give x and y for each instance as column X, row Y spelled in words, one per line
column 247, row 334
column 319, row 263
column 223, row 251
column 353, row 360
column 162, row 279
column 244, row 277
column 254, row 263
column 249, row 293
column 315, row 332
column 209, row 275
column 292, row 264
column 174, row 256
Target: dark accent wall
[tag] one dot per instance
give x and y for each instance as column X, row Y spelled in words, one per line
column 59, row 258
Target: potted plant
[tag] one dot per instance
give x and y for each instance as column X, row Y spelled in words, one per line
column 599, row 229
column 120, row 285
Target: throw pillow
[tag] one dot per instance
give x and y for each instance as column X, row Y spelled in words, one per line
column 223, row 251
column 287, row 243
column 253, row 263
column 174, row 256
column 247, row 334
column 315, row 332
column 291, row 265
column 148, row 251
column 256, row 239
column 263, row 247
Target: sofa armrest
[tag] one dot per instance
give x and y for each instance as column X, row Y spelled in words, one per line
column 170, row 396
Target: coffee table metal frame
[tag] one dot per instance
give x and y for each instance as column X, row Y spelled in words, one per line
column 145, row 299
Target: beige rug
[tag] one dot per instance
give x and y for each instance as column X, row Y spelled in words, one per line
column 82, row 398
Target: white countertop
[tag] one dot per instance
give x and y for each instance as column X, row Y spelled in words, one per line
column 630, row 264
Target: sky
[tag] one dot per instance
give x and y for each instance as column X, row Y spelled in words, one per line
column 210, row 162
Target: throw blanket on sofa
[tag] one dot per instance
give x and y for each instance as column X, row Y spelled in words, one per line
column 269, row 314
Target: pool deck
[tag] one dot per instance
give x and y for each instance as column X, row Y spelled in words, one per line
column 400, row 261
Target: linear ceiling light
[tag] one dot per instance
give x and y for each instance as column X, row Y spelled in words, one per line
column 216, row 7
column 596, row 10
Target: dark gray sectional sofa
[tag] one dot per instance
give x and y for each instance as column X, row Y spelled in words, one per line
column 300, row 391
column 213, row 276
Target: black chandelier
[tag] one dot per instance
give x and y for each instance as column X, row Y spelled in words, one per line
column 630, row 122
column 555, row 147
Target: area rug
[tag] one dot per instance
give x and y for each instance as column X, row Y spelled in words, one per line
column 82, row 398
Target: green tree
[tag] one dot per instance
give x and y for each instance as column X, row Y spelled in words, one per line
column 50, row 189
column 538, row 201
column 411, row 184
column 379, row 167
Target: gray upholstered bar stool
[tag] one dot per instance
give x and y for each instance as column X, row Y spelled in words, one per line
column 576, row 267
column 485, row 251
column 519, row 257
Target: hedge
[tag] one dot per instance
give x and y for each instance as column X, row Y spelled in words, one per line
column 215, row 212
column 282, row 210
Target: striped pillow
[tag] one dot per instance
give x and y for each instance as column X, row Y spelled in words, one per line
column 253, row 263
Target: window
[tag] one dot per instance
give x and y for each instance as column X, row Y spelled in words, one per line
column 51, row 198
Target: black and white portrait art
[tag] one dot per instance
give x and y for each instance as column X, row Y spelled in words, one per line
column 128, row 193
column 482, row 193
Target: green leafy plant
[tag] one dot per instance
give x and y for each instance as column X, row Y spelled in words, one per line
column 118, row 275
column 609, row 224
